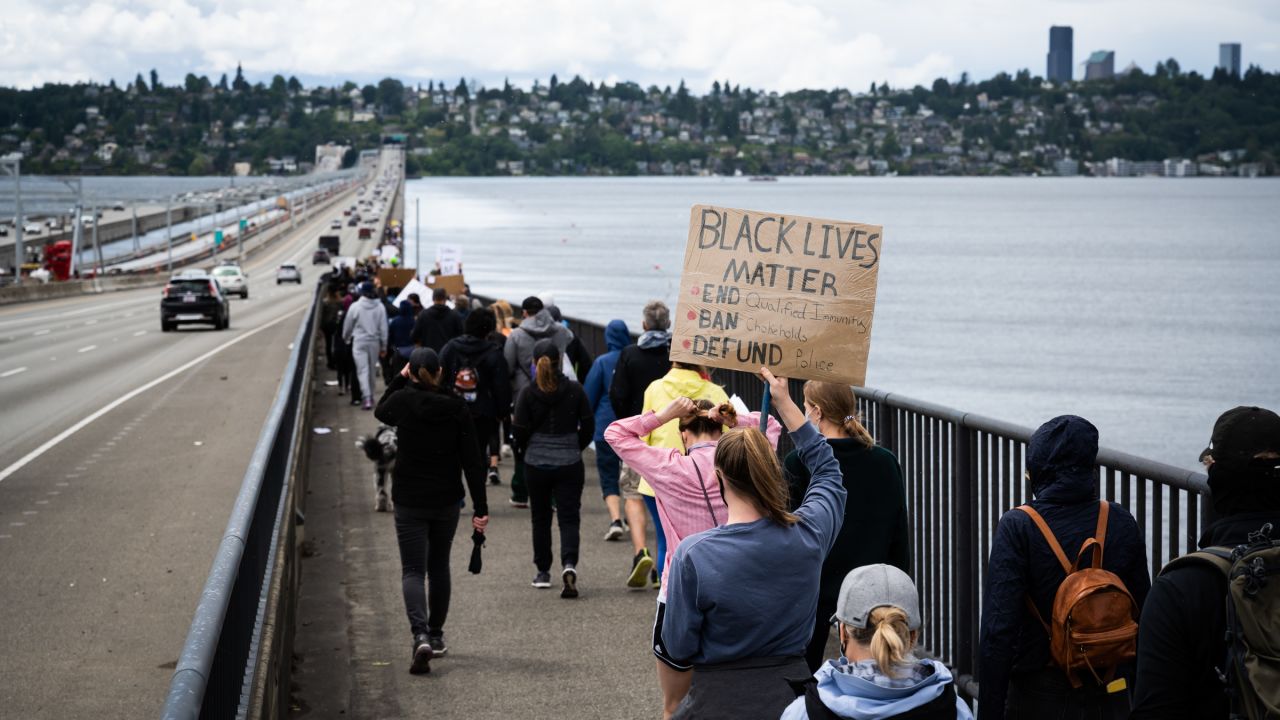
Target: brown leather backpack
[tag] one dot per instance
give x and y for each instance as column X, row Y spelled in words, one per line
column 1094, row 624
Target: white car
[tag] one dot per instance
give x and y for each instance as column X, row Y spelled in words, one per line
column 288, row 272
column 335, row 225
column 232, row 280
column 32, row 228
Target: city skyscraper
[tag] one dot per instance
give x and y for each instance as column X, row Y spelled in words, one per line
column 1059, row 63
column 1229, row 58
column 1101, row 65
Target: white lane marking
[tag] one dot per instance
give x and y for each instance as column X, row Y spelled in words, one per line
column 42, row 502
column 30, row 512
column 16, row 524
column 40, row 332
column 53, row 442
column 140, row 333
column 90, row 322
column 87, row 348
column 15, row 371
column 73, row 313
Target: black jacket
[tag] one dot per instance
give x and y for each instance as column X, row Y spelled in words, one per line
column 875, row 526
column 436, row 325
column 579, row 358
column 562, row 412
column 1180, row 638
column 435, row 444
column 636, row 368
column 493, row 392
column 1012, row 640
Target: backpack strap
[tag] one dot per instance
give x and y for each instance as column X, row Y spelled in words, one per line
column 943, row 706
column 1218, row 557
column 814, row 708
column 1049, row 537
column 1095, row 543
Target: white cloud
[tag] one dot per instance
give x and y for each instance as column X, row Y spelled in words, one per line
column 770, row 44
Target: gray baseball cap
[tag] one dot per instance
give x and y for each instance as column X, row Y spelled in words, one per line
column 871, row 586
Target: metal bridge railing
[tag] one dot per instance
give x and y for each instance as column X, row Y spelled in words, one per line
column 243, row 626
column 963, row 471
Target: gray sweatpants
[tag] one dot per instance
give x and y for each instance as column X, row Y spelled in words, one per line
column 366, row 355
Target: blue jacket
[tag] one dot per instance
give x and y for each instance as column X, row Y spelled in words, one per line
column 400, row 327
column 600, row 377
column 1060, row 460
column 860, row 691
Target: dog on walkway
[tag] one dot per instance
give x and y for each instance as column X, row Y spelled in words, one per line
column 380, row 448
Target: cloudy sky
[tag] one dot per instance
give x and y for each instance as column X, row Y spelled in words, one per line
column 771, row 44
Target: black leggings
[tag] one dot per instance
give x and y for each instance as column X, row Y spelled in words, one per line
column 564, row 483
column 425, row 536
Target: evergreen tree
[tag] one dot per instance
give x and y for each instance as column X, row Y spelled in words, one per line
column 155, row 80
column 222, row 84
column 139, row 84
column 240, row 83
column 461, row 91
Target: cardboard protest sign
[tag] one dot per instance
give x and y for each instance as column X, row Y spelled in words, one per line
column 454, row 284
column 794, row 294
column 449, row 258
column 395, row 277
column 411, row 287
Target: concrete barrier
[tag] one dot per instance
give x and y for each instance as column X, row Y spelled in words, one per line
column 31, row 292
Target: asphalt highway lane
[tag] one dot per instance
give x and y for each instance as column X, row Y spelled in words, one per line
column 117, row 476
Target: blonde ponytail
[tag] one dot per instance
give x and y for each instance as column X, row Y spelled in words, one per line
column 887, row 637
column 839, row 405
column 546, row 378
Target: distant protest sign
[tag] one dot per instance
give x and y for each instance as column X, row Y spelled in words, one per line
column 413, row 287
column 454, row 284
column 449, row 258
column 793, row 294
column 395, row 277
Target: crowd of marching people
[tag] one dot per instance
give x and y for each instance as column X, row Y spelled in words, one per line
column 759, row 561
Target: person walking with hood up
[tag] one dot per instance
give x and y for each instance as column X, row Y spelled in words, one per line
column 878, row 676
column 537, row 324
column 400, row 338
column 1019, row 676
column 553, row 425
column 365, row 329
column 474, row 369
column 616, row 337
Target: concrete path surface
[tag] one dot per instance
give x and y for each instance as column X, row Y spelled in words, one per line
column 514, row 652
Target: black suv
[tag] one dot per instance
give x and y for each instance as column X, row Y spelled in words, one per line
column 194, row 297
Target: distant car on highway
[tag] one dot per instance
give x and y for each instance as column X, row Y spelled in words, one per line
column 288, row 272
column 355, row 220
column 193, row 296
column 32, row 228
column 336, row 224
column 233, row 280
column 320, row 257
column 4, row 230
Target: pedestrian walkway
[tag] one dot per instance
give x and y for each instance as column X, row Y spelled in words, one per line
column 513, row 651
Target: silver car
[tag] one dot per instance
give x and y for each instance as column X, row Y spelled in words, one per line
column 232, row 280
column 288, row 272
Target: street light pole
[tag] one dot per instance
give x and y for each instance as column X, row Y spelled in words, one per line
column 12, row 164
column 417, row 233
column 96, row 246
column 168, row 230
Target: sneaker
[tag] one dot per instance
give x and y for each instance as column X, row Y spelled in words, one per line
column 368, row 405
column 438, row 648
column 518, row 503
column 421, row 656
column 570, row 578
column 381, row 503
column 542, row 580
column 493, row 477
column 641, row 566
column 615, row 531
column 355, row 401
column 655, row 581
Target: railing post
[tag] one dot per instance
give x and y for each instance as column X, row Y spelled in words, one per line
column 884, row 424
column 966, row 560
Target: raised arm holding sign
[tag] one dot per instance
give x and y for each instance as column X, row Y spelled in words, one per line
column 793, row 294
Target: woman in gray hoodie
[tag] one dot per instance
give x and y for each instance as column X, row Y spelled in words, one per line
column 365, row 330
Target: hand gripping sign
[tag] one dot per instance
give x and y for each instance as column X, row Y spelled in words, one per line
column 790, row 293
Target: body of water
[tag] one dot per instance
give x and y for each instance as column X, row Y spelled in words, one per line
column 1148, row 306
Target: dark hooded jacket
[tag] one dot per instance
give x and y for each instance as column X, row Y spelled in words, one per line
column 617, row 337
column 548, row 425
column 1182, row 636
column 400, row 329
column 436, row 444
column 1060, row 460
column 493, row 392
column 518, row 350
column 436, row 325
column 638, row 366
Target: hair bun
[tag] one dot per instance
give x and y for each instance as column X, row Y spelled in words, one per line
column 728, row 414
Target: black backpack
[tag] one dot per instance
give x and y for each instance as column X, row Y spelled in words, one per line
column 942, row 707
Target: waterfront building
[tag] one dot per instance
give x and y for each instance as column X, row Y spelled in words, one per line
column 1229, row 58
column 1119, row 167
column 1101, row 65
column 1066, row 167
column 1059, row 60
column 1178, row 167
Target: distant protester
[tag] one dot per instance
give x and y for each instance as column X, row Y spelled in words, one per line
column 877, row 618
column 518, row 352
column 638, row 366
column 741, row 597
column 553, row 425
column 616, row 337
column 365, row 329
column 474, row 369
column 1189, row 666
column 687, row 493
column 875, row 526
column 436, row 446
column 681, row 381
column 576, row 352
column 1034, row 548
column 330, row 311
column 437, row 324
column 400, row 338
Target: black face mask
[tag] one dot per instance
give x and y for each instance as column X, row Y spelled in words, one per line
column 1250, row 486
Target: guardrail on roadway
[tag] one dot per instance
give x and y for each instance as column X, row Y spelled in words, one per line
column 962, row 472
column 236, row 659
